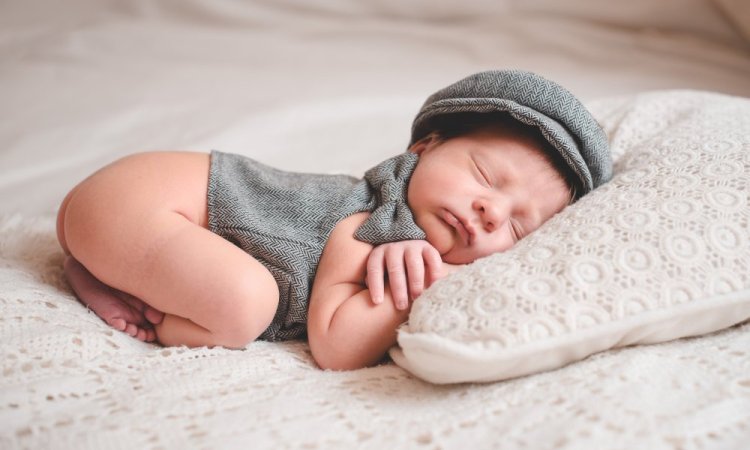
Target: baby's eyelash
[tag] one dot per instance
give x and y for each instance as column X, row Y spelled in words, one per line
column 483, row 174
column 515, row 229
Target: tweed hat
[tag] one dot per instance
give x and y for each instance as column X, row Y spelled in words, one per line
column 533, row 100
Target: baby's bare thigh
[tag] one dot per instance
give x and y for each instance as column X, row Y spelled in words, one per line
column 140, row 225
column 111, row 214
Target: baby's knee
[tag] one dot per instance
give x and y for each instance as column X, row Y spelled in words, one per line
column 254, row 306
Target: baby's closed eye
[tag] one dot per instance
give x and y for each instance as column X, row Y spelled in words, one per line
column 516, row 229
column 483, row 175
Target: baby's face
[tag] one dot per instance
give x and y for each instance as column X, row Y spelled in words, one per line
column 481, row 192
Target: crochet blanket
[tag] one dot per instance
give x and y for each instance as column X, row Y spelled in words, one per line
column 69, row 381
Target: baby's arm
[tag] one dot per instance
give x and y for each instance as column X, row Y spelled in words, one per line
column 346, row 330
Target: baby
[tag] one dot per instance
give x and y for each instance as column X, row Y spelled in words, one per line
column 204, row 250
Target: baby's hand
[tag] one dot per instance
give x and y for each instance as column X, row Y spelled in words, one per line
column 402, row 260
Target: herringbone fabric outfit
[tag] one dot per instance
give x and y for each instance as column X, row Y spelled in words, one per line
column 283, row 219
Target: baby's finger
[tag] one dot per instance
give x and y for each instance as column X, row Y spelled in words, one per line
column 397, row 278
column 375, row 275
column 434, row 263
column 415, row 272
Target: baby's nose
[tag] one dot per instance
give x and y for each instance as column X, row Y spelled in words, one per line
column 493, row 213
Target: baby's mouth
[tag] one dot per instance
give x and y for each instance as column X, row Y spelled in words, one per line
column 458, row 225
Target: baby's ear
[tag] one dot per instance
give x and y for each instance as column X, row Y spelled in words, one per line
column 425, row 143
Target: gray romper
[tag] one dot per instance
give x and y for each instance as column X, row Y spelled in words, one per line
column 283, row 219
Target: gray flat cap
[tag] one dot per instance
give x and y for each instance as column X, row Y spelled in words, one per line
column 533, row 100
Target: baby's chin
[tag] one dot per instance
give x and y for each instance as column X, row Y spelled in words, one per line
column 460, row 257
column 465, row 255
column 450, row 251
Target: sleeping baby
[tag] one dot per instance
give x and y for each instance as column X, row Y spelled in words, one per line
column 218, row 249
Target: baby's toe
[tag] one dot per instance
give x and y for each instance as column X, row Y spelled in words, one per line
column 152, row 315
column 141, row 335
column 117, row 324
column 131, row 329
column 150, row 336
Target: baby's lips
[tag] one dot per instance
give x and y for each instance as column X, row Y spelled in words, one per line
column 453, row 221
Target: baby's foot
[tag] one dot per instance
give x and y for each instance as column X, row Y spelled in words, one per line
column 153, row 316
column 120, row 310
column 130, row 315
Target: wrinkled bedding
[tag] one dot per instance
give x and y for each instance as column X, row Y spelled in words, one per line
column 323, row 86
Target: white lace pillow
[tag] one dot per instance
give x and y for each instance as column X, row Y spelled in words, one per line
column 660, row 252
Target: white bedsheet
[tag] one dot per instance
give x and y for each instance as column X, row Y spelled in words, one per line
column 328, row 86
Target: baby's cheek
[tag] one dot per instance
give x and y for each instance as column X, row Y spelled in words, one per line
column 497, row 245
column 501, row 244
column 439, row 237
column 437, row 242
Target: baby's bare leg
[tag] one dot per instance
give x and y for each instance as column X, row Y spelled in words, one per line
column 138, row 227
column 120, row 310
column 212, row 292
